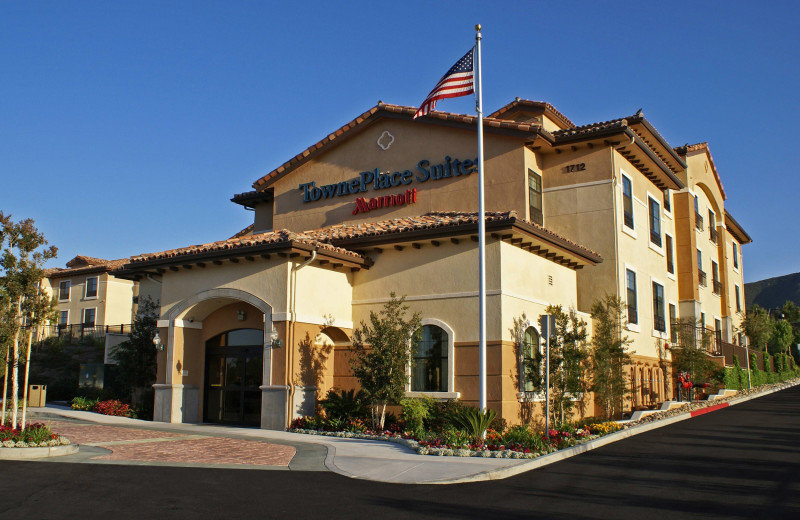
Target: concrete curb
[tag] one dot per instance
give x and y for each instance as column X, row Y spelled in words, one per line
column 37, row 453
column 560, row 455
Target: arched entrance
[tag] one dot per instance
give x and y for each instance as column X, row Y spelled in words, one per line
column 234, row 361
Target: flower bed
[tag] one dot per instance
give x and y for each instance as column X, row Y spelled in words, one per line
column 112, row 407
column 517, row 442
column 36, row 435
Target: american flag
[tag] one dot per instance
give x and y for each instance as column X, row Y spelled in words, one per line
column 459, row 81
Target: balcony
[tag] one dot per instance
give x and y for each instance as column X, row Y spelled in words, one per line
column 688, row 335
column 698, row 221
column 703, row 279
column 81, row 330
column 714, row 235
column 717, row 287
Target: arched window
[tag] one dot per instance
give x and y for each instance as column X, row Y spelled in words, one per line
column 430, row 370
column 530, row 349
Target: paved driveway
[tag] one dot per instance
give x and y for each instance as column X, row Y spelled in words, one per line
column 741, row 462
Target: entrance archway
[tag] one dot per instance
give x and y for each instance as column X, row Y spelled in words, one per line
column 233, row 376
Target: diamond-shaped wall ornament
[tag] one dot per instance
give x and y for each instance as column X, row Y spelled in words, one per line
column 385, row 140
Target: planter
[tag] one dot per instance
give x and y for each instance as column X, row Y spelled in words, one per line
column 37, row 453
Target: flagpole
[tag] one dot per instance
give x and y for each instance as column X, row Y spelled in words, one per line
column 481, row 227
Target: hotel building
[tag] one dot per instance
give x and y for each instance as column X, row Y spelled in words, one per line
column 89, row 299
column 386, row 204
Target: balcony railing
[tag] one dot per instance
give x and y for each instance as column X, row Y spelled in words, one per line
column 698, row 221
column 628, row 219
column 82, row 330
column 655, row 238
column 702, row 278
column 688, row 335
column 714, row 234
column 659, row 323
column 717, row 287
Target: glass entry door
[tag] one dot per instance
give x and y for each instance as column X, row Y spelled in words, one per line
column 234, row 362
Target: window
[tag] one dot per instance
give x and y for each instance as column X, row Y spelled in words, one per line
column 673, row 325
column 717, row 285
column 429, row 372
column 738, row 299
column 655, row 222
column 701, row 275
column 535, row 196
column 530, row 348
column 703, row 321
column 735, row 255
column 717, row 331
column 88, row 317
column 63, row 319
column 63, row 291
column 667, row 201
column 627, row 201
column 698, row 219
column 631, row 301
column 659, row 323
column 91, row 287
column 670, row 258
column 712, row 227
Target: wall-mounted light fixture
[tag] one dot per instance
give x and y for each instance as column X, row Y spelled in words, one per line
column 241, row 315
column 276, row 343
column 157, row 342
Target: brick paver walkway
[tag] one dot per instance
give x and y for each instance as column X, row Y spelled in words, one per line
column 208, row 450
column 158, row 446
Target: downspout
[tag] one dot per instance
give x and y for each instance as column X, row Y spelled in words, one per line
column 290, row 342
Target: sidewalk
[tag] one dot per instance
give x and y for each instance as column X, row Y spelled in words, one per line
column 363, row 459
column 355, row 458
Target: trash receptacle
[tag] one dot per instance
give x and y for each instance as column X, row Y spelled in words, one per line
column 36, row 395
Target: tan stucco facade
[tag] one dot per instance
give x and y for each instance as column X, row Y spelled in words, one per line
column 386, row 205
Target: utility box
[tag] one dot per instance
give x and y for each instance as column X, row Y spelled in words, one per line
column 37, row 395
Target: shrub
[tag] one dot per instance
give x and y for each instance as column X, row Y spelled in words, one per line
column 345, row 405
column 83, row 403
column 415, row 411
column 473, row 421
column 33, row 435
column 113, row 407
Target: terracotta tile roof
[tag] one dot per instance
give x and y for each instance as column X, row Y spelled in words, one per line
column 592, row 128
column 282, row 236
column 433, row 220
column 246, row 231
column 549, row 109
column 396, row 110
column 85, row 265
column 683, row 150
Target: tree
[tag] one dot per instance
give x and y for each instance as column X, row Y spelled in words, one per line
column 610, row 355
column 23, row 304
column 568, row 358
column 381, row 352
column 758, row 326
column 136, row 357
column 782, row 337
column 690, row 357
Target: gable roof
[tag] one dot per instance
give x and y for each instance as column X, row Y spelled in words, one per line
column 85, row 265
column 398, row 112
column 450, row 223
column 520, row 105
column 684, row 150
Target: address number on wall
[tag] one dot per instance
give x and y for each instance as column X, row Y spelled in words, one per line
column 574, row 167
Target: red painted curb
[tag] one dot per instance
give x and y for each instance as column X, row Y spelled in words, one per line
column 701, row 411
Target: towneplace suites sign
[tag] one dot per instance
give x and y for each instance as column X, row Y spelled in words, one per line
column 376, row 180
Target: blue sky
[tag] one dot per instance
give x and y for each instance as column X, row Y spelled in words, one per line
column 125, row 127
